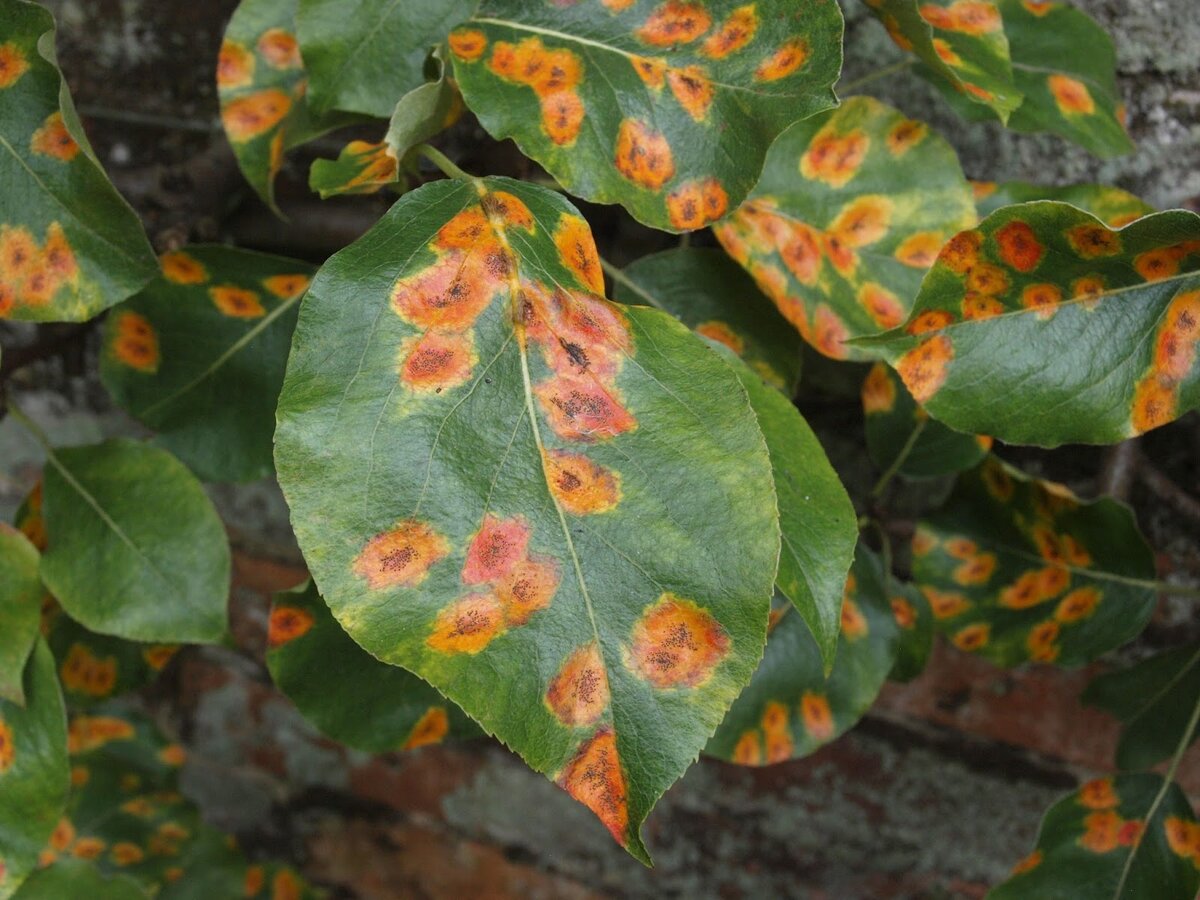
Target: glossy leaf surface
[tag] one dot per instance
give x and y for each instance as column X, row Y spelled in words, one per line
column 898, row 429
column 667, row 108
column 349, row 695
column 1018, row 569
column 914, row 618
column 69, row 245
column 513, row 482
column 20, row 607
column 706, row 291
column 1043, row 326
column 199, row 356
column 135, row 546
column 1103, row 842
column 850, row 212
column 790, row 708
column 1155, row 699
column 1112, row 206
column 33, row 769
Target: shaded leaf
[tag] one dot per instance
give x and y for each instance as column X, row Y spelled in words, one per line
column 1155, row 699
column 69, row 245
column 199, row 356
column 76, row 878
column 1043, row 326
column 1019, row 569
column 1112, row 206
column 135, row 546
column 20, row 605
column 1110, row 841
column 850, row 212
column 33, row 769
column 896, row 425
column 349, row 695
column 790, row 708
column 915, row 621
column 362, row 167
column 512, row 481
column 665, row 108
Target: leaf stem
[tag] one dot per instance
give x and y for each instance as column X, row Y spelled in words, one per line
column 685, row 240
column 31, row 426
column 890, row 472
column 443, row 162
column 879, row 73
column 625, row 281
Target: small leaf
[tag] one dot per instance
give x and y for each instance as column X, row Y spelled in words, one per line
column 512, row 481
column 1043, row 326
column 365, row 55
column 199, row 356
column 33, row 769
column 362, row 167
column 20, row 609
column 892, row 421
column 790, row 708
column 1112, row 840
column 76, row 878
column 1155, row 699
column 915, row 621
column 1112, row 206
column 135, row 546
column 850, row 212
column 349, row 695
column 1018, row 569
column 667, row 109
column 69, row 245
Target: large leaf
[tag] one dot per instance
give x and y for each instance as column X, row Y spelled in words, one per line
column 33, row 769
column 533, row 499
column 76, row 878
column 900, row 431
column 69, row 245
column 667, row 108
column 20, row 607
column 790, row 708
column 135, row 546
column 199, row 356
column 347, row 693
column 1112, row 840
column 1154, row 699
column 1114, row 207
column 711, row 295
column 851, row 210
column 1018, row 569
column 961, row 43
column 1043, row 326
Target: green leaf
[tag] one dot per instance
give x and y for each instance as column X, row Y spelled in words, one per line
column 511, row 481
column 199, row 356
column 962, row 45
column 666, row 108
column 1112, row 840
column 349, row 695
column 1154, row 699
column 1019, row 569
column 76, row 878
column 1043, row 326
column 69, row 245
column 900, row 430
column 33, row 769
column 362, row 167
column 851, row 210
column 790, row 708
column 262, row 86
column 364, row 55
column 20, row 609
column 715, row 297
column 135, row 546
column 1114, row 207
column 915, row 621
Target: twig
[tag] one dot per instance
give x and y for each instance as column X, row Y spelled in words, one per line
column 845, row 89
column 1118, row 469
column 1168, row 491
column 890, row 473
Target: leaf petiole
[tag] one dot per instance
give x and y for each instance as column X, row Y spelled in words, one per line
column 443, row 162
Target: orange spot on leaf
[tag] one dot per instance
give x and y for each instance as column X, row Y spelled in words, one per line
column 581, row 486
column 496, row 549
column 594, row 777
column 431, row 728
column 643, row 155
column 1019, row 246
column 13, row 64
column 286, row 286
column 577, row 248
column 693, row 89
column 733, row 34
column 52, row 139
column 468, row 43
column 241, row 303
column 255, row 114
column 286, row 624
column 696, row 203
column 180, row 268
column 436, row 361
column 817, row 716
column 279, row 49
column 919, row 250
column 833, row 158
column 135, row 343
column 468, row 625
column 530, row 586
column 1071, row 95
column 878, row 391
column 784, row 61
column 675, row 22
column 677, row 644
column 235, row 66
column 400, row 557
column 582, row 409
column 578, row 694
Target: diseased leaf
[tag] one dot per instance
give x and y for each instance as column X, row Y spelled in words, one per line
column 199, row 356
column 20, row 606
column 1155, row 699
column 1087, row 839
column 1114, row 207
column 364, row 55
column 33, row 769
column 349, row 695
column 962, row 44
column 362, row 167
column 716, row 298
column 1043, row 326
column 76, row 878
column 135, row 548
column 915, row 621
column 512, row 481
column 666, row 108
column 897, row 426
column 790, row 708
column 69, row 245
column 850, row 212
column 1018, row 569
